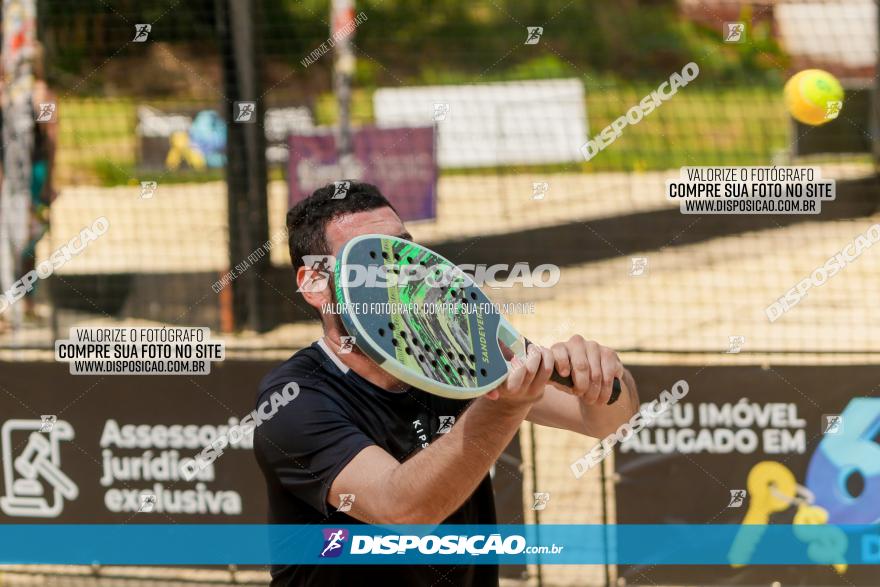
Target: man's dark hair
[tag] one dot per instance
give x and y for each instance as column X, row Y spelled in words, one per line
column 307, row 220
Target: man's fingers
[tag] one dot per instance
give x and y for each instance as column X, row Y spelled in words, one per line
column 533, row 364
column 611, row 368
column 594, row 359
column 608, row 370
column 545, row 369
column 560, row 356
column 523, row 371
column 580, row 367
column 516, row 376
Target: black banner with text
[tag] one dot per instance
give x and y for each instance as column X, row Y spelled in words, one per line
column 755, row 445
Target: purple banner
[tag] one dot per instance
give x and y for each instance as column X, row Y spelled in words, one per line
column 400, row 161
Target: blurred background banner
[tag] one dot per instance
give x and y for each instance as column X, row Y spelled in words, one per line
column 781, row 445
column 190, row 128
column 401, row 160
column 129, row 454
column 500, row 123
column 196, row 140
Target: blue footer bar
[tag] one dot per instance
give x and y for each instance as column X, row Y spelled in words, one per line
column 207, row 544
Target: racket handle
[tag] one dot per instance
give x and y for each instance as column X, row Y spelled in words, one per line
column 568, row 382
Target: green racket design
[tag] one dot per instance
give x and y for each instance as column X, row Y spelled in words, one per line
column 423, row 320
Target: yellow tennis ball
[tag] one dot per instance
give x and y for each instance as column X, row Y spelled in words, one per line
column 813, row 96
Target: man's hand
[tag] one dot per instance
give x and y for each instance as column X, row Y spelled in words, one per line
column 592, row 367
column 583, row 408
column 525, row 383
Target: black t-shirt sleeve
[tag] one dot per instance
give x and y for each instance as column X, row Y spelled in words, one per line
column 307, row 444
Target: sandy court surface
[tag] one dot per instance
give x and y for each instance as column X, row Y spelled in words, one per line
column 183, row 227
column 694, row 297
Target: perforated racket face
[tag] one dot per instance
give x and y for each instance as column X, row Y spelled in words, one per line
column 419, row 317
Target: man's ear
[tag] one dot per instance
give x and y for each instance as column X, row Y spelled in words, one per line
column 314, row 285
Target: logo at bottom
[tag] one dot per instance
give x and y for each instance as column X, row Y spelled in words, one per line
column 334, row 538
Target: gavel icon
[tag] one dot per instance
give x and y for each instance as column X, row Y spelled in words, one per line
column 34, row 462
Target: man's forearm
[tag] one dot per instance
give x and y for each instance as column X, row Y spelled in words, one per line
column 430, row 486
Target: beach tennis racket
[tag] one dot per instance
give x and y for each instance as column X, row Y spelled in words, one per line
column 424, row 320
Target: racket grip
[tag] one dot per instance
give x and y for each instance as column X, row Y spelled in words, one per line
column 568, row 382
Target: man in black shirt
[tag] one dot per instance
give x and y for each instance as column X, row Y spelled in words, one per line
column 357, row 437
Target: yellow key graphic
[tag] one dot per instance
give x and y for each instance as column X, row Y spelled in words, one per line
column 825, row 545
column 763, row 477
